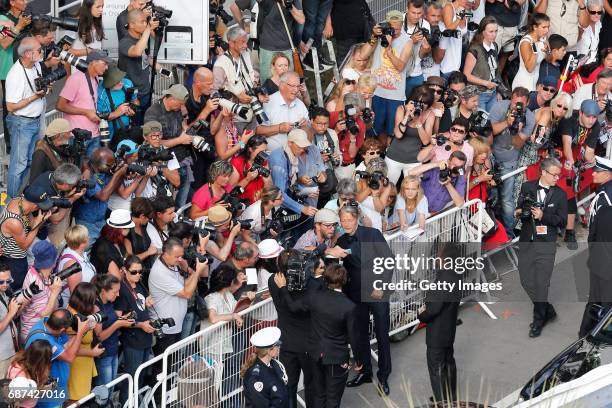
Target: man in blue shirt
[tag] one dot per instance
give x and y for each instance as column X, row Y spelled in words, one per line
column 64, row 350
column 285, row 165
column 90, row 211
column 112, row 94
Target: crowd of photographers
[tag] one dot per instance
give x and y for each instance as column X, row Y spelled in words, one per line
column 133, row 222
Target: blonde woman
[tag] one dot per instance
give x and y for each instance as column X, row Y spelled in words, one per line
column 334, row 104
column 77, row 241
column 358, row 65
column 411, row 205
column 366, row 85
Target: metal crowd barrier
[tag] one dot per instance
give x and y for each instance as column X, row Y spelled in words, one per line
column 113, row 384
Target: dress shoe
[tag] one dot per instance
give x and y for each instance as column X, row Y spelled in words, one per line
column 325, row 61
column 570, row 240
column 535, row 330
column 551, row 314
column 360, row 379
column 383, row 386
column 307, row 61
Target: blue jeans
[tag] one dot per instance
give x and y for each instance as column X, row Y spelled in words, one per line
column 189, row 324
column 24, row 133
column 107, row 369
column 385, row 109
column 183, row 191
column 132, row 359
column 486, row 100
column 316, row 12
column 91, row 145
column 93, row 228
column 507, row 198
column 413, row 82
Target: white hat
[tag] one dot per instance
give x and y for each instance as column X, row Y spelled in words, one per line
column 269, row 248
column 265, row 338
column 326, row 215
column 120, row 219
column 603, row 164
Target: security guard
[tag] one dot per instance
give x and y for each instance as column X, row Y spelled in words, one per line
column 265, row 380
column 600, row 238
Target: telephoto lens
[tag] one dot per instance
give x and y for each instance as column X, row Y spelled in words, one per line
column 26, row 293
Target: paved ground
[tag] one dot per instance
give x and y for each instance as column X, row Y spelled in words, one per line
column 494, row 357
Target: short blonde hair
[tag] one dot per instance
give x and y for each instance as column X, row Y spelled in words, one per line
column 480, row 145
column 367, row 81
column 75, row 236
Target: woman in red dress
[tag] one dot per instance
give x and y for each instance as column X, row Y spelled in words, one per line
column 252, row 182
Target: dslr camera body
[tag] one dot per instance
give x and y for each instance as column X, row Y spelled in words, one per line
column 350, row 113
column 529, row 202
column 386, row 29
column 519, row 117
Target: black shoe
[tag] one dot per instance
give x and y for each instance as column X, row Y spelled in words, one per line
column 325, row 61
column 307, row 61
column 551, row 314
column 570, row 239
column 360, row 379
column 535, row 330
column 383, row 387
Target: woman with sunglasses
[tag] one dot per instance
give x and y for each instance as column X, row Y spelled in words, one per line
column 77, row 241
column 480, row 66
column 261, row 212
column 228, row 142
column 109, row 250
column 248, row 178
column 134, row 297
column 370, row 149
column 589, row 41
column 335, row 101
column 544, row 138
column 532, row 51
column 587, row 74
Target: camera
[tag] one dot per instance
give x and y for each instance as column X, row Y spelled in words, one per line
column 219, row 42
column 479, row 123
column 73, row 60
column 464, row 14
column 367, row 115
column 26, row 293
column 157, row 324
column 258, row 164
column 81, row 135
column 215, row 11
column 519, row 117
column 335, row 162
column 496, row 173
column 376, row 180
column 95, row 318
column 148, row 154
column 450, row 98
column 131, row 93
column 433, row 36
column 447, row 173
column 300, row 267
column 59, row 202
column 440, row 140
column 104, row 129
column 68, row 24
column 136, row 168
column 84, row 184
column 55, row 49
column 160, row 14
column 349, row 118
column 502, row 89
column 7, row 32
column 66, row 273
column 242, row 111
column 41, row 83
column 288, row 4
column 386, row 29
column 529, row 202
column 244, row 224
column 233, row 199
column 256, row 106
column 451, row 33
column 419, row 107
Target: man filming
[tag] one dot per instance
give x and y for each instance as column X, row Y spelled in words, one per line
column 542, row 207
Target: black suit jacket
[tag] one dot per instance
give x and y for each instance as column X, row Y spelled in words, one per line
column 441, row 311
column 294, row 326
column 332, row 323
column 555, row 213
column 365, row 245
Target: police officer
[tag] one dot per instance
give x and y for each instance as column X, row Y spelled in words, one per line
column 599, row 260
column 547, row 211
column 265, row 380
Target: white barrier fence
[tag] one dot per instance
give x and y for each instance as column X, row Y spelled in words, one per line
column 115, row 384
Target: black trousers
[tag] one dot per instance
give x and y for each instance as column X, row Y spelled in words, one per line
column 329, row 382
column 380, row 312
column 536, row 263
column 600, row 293
column 343, row 46
column 442, row 373
column 294, row 363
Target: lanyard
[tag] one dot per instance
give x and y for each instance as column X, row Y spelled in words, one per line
column 27, row 77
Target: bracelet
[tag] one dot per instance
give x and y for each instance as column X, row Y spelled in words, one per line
column 241, row 144
column 582, row 8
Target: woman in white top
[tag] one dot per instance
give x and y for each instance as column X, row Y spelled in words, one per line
column 370, row 149
column 453, row 46
column 411, row 206
column 358, row 65
column 260, row 212
column 589, row 41
column 77, row 240
column 90, row 33
column 532, row 50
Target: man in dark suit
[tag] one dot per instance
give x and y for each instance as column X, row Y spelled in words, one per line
column 542, row 207
column 364, row 245
column 332, row 322
column 440, row 314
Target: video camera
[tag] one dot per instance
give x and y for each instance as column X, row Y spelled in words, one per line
column 41, row 83
column 386, row 29
column 300, row 267
column 350, row 112
column 529, row 202
column 258, row 164
column 157, row 324
column 519, row 117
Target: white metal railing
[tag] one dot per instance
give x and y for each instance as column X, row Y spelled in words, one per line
column 113, row 384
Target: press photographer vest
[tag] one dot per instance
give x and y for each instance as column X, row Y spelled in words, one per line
column 482, row 69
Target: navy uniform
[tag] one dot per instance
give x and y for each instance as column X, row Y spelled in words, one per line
column 600, row 250
column 266, row 385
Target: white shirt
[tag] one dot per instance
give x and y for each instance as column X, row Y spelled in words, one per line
column 164, row 284
column 428, row 65
column 17, row 89
column 279, row 111
column 453, row 46
column 583, row 93
column 88, row 271
column 150, row 190
column 367, row 207
column 416, row 71
column 253, row 212
column 116, row 202
column 156, row 239
column 589, row 42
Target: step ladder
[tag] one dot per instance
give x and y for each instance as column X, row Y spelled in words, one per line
column 317, row 73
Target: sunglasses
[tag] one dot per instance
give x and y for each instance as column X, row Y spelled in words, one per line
column 135, row 272
column 373, row 152
column 565, row 108
column 437, row 90
column 549, row 89
column 457, row 130
column 593, row 12
column 332, row 225
column 6, row 282
column 350, row 82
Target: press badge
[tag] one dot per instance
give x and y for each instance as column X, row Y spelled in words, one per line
column 541, row 229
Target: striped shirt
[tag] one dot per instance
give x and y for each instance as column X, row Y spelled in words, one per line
column 9, row 246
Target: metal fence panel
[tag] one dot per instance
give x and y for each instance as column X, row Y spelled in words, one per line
column 125, row 378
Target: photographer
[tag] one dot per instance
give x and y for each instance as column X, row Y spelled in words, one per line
column 285, row 111
column 262, row 212
column 134, row 60
column 108, row 253
column 445, row 144
column 221, row 244
column 430, row 63
column 416, row 27
column 134, row 182
column 113, row 100
column 90, row 32
column 53, row 329
column 443, row 182
column 542, row 207
column 546, row 89
column 252, row 167
column 9, row 308
column 469, row 98
column 455, row 83
column 53, row 149
column 512, row 124
column 373, row 191
column 20, row 222
column 77, row 241
column 455, row 16
column 392, row 50
column 326, row 140
column 157, row 229
column 284, row 164
column 46, row 301
column 600, row 91
column 79, row 96
column 351, row 130
column 122, row 19
column 171, row 284
column 168, row 112
column 104, row 178
column 25, row 106
column 412, row 130
column 212, row 193
column 165, row 178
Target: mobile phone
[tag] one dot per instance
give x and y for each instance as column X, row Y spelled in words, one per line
column 165, row 72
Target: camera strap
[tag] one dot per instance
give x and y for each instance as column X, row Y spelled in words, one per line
column 27, row 77
column 112, row 106
column 11, row 325
column 91, row 91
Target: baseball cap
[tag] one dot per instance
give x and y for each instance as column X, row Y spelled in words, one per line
column 299, row 137
column 326, row 215
column 130, row 144
column 548, row 80
column 58, row 126
column 98, row 56
column 37, row 194
column 44, row 254
column 150, row 127
column 177, row 91
column 590, row 107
